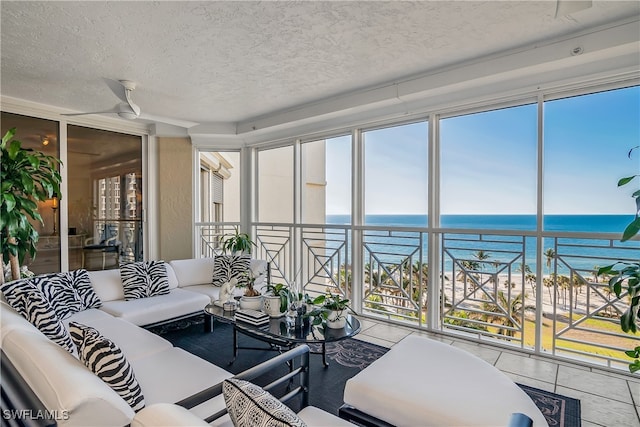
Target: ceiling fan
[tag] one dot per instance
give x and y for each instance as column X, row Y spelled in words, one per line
column 127, row 109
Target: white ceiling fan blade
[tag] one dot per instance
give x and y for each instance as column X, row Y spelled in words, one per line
column 113, row 110
column 170, row 121
column 117, row 88
column 567, row 7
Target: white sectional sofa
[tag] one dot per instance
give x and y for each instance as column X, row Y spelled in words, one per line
column 191, row 291
column 166, row 374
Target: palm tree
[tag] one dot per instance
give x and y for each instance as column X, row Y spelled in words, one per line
column 481, row 256
column 496, row 312
column 550, row 255
column 548, row 282
column 578, row 283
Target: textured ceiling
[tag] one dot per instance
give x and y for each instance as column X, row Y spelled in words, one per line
column 234, row 61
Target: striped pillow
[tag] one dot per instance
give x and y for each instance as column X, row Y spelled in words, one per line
column 56, row 288
column 36, row 309
column 82, row 284
column 144, row 279
column 105, row 359
column 249, row 405
column 226, row 267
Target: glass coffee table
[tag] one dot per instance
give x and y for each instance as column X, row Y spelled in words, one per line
column 278, row 334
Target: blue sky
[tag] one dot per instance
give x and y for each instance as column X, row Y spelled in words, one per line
column 488, row 161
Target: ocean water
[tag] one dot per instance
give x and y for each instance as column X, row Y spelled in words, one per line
column 572, row 223
column 581, row 254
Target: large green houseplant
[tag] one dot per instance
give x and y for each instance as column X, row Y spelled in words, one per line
column 627, row 274
column 27, row 177
column 237, row 243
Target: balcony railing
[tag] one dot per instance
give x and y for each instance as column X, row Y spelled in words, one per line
column 489, row 285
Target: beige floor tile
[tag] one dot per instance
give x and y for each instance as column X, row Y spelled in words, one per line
column 634, row 387
column 388, row 332
column 561, row 362
column 366, row 324
column 532, row 382
column 375, row 340
column 489, row 355
column 594, row 383
column 533, row 368
column 590, row 424
column 599, row 410
column 430, row 335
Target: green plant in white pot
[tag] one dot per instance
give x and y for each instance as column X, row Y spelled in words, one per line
column 27, row 177
column 332, row 309
column 276, row 299
column 252, row 299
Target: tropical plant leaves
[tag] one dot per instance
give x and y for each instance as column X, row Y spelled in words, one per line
column 26, row 177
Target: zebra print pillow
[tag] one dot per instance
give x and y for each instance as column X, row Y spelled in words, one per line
column 36, row 309
column 56, row 289
column 59, row 290
column 248, row 404
column 105, row 359
column 144, row 279
column 82, row 284
column 226, row 267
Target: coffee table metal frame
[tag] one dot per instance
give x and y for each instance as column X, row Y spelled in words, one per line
column 277, row 333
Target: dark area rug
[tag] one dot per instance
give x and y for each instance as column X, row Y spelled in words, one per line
column 346, row 358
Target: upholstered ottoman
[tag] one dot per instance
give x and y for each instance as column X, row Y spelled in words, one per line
column 425, row 382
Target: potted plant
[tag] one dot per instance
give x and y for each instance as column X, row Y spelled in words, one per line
column 628, row 274
column 332, row 309
column 252, row 299
column 27, row 177
column 236, row 243
column 276, row 302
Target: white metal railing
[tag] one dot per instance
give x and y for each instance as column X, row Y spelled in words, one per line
column 486, row 283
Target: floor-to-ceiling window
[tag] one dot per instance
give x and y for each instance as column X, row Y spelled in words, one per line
column 219, row 199
column 587, row 143
column 105, row 197
column 491, row 263
column 488, row 170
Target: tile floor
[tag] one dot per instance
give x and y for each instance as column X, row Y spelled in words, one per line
column 607, row 399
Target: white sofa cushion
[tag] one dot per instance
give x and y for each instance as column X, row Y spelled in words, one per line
column 62, row 383
column 135, row 342
column 105, row 359
column 174, row 374
column 421, row 381
column 213, row 292
column 107, row 284
column 315, row 417
column 10, row 319
column 145, row 311
column 193, row 271
column 166, row 415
